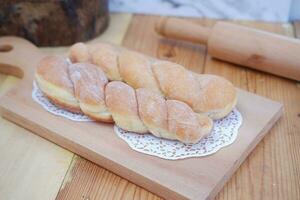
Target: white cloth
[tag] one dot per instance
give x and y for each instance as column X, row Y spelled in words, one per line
column 261, row 10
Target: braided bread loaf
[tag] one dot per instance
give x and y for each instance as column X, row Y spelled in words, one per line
column 211, row 95
column 84, row 87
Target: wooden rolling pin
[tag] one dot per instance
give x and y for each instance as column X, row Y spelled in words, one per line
column 256, row 49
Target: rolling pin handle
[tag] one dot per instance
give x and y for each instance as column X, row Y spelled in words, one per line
column 182, row 30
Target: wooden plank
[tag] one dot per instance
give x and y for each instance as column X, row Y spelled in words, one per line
column 172, row 50
column 255, row 178
column 87, row 180
column 166, row 178
column 142, row 27
column 31, row 167
column 102, row 185
column 102, row 146
column 236, row 74
column 28, row 161
column 271, row 171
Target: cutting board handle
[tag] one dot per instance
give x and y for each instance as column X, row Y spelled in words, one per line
column 18, row 57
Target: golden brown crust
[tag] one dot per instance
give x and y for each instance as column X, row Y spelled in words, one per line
column 171, row 119
column 207, row 94
column 105, row 56
column 176, row 82
column 139, row 111
column 56, row 101
column 133, row 66
column 49, row 81
column 218, row 96
column 107, row 119
column 185, row 123
column 122, row 103
column 205, row 123
column 153, row 112
column 89, row 83
column 79, row 53
column 49, row 68
column 144, row 109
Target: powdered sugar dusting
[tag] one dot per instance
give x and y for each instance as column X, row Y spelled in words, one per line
column 54, row 69
column 224, row 133
column 89, row 82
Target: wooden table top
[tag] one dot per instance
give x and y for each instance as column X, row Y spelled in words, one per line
column 33, row 168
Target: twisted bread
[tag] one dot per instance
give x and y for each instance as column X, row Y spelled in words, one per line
column 85, row 87
column 53, row 79
column 207, row 94
column 89, row 83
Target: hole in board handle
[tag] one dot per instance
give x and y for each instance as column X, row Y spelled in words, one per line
column 5, row 48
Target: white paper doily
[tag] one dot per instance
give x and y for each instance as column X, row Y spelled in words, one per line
column 40, row 98
column 224, row 133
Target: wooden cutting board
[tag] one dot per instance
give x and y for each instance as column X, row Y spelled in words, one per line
column 195, row 178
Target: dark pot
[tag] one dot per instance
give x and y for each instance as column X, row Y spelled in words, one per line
column 54, row 22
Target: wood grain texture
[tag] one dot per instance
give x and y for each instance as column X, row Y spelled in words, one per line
column 272, row 170
column 98, row 142
column 28, row 161
column 264, row 174
column 256, row 178
column 257, row 49
column 102, row 184
column 31, row 167
column 86, row 180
